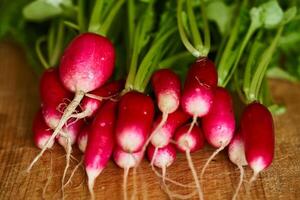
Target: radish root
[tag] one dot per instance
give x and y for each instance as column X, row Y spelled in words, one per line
column 194, row 173
column 48, row 177
column 252, row 179
column 68, row 151
column 210, row 159
column 73, row 172
column 134, row 184
column 126, row 171
column 67, row 113
column 240, row 182
column 91, row 182
column 154, row 155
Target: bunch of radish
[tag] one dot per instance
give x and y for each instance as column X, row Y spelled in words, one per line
column 121, row 120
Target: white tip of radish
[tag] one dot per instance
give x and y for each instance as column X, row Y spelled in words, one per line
column 63, row 141
column 92, row 174
column 83, row 142
column 168, row 102
column 52, row 122
column 160, row 138
column 197, row 106
column 163, row 160
column 236, row 152
column 186, row 142
column 131, row 140
column 42, row 142
column 258, row 164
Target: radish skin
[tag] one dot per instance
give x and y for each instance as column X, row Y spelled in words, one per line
column 126, row 161
column 41, row 131
column 93, row 100
column 82, row 138
column 100, row 143
column 236, row 153
column 258, row 135
column 135, row 116
column 86, row 64
column 219, row 124
column 190, row 140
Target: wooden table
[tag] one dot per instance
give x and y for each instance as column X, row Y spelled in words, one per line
column 19, row 101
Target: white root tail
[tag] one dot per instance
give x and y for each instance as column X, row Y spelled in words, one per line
column 252, row 179
column 66, row 115
column 240, row 182
column 154, row 155
column 210, row 159
column 68, row 155
column 194, row 173
column 126, row 171
column 91, row 182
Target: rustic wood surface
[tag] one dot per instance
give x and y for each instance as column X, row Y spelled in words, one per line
column 19, row 101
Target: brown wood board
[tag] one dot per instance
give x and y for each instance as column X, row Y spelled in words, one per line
column 19, row 101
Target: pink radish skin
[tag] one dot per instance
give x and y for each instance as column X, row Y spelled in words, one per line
column 89, row 105
column 87, row 62
column 53, row 95
column 236, row 153
column 258, row 135
column 83, row 138
column 219, row 124
column 100, row 142
column 126, row 161
column 164, row 157
column 190, row 140
column 41, row 131
column 162, row 136
column 135, row 116
column 197, row 96
column 166, row 86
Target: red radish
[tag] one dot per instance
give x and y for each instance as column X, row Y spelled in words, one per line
column 87, row 63
column 258, row 136
column 93, row 100
column 236, row 152
column 190, row 140
column 198, row 89
column 53, row 96
column 100, row 142
column 83, row 138
column 162, row 158
column 126, row 161
column 135, row 116
column 41, row 131
column 219, row 124
column 162, row 136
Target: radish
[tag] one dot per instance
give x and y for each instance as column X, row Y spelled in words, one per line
column 190, row 140
column 53, row 96
column 82, row 138
column 162, row 136
column 100, row 142
column 126, row 161
column 236, row 152
column 219, row 124
column 164, row 157
column 41, row 131
column 87, row 63
column 135, row 116
column 258, row 136
column 197, row 96
column 93, row 100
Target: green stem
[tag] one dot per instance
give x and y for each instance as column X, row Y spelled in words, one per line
column 226, row 53
column 168, row 62
column 262, row 67
column 146, row 62
column 206, row 27
column 95, row 20
column 39, row 51
column 183, row 35
column 250, row 62
column 230, row 69
column 71, row 25
column 238, row 88
column 51, row 38
column 131, row 17
column 59, row 44
column 193, row 24
column 80, row 16
column 109, row 19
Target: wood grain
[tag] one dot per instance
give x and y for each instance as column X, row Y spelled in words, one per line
column 19, row 101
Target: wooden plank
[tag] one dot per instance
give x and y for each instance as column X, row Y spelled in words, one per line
column 19, row 101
